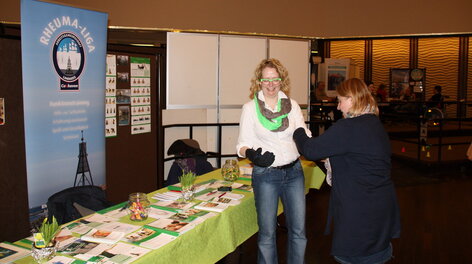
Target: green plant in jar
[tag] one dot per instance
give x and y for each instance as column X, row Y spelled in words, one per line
column 44, row 247
column 230, row 170
column 187, row 182
column 187, row 179
column 46, row 233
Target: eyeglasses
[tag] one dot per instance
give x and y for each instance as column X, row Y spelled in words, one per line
column 274, row 81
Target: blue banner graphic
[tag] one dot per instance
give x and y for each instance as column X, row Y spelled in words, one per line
column 63, row 58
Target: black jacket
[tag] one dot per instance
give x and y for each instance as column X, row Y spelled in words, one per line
column 363, row 204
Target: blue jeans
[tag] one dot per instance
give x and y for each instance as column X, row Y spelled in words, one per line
column 269, row 185
column 377, row 258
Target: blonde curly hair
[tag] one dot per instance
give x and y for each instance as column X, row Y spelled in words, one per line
column 281, row 70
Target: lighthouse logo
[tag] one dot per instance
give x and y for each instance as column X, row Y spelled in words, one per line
column 68, row 57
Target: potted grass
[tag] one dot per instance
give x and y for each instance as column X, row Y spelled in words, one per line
column 187, row 183
column 44, row 246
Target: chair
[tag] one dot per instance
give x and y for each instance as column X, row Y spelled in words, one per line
column 76, row 202
column 189, row 157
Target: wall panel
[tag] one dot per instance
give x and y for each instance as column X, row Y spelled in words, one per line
column 294, row 55
column 352, row 49
column 440, row 58
column 387, row 54
column 192, row 70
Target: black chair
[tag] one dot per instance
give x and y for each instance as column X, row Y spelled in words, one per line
column 76, row 202
column 189, row 157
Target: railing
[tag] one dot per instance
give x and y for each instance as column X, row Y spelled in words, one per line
column 415, row 114
column 325, row 120
column 217, row 155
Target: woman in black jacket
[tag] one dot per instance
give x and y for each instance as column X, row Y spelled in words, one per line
column 363, row 205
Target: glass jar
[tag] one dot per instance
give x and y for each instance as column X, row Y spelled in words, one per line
column 230, row 170
column 41, row 255
column 188, row 193
column 138, row 206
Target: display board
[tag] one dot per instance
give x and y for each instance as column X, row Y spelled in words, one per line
column 131, row 162
column 192, row 70
column 295, row 56
column 63, row 69
column 239, row 57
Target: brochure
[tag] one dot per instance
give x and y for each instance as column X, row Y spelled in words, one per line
column 176, row 227
column 158, row 213
column 65, row 260
column 176, row 205
column 121, row 253
column 102, row 236
column 98, row 218
column 245, row 171
column 10, row 252
column 226, row 200
column 80, row 247
column 212, row 206
column 116, row 211
column 241, row 187
column 118, row 227
column 167, row 196
column 149, row 238
column 233, row 196
column 81, row 226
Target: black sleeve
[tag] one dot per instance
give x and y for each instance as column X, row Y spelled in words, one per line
column 333, row 141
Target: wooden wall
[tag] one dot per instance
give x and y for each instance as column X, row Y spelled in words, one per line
column 14, row 222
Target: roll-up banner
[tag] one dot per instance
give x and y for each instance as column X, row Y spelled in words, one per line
column 63, row 59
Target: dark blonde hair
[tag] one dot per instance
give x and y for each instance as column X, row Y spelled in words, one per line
column 281, row 70
column 360, row 95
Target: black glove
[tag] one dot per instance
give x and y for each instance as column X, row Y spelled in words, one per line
column 261, row 160
column 300, row 138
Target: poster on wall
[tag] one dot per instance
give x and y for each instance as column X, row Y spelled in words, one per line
column 2, row 111
column 110, row 97
column 64, row 64
column 336, row 72
column 140, row 95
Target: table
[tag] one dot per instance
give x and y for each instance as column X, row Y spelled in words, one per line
column 218, row 236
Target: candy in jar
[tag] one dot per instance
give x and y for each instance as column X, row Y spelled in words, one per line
column 138, row 206
column 230, row 170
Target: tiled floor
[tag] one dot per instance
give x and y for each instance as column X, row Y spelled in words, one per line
column 436, row 213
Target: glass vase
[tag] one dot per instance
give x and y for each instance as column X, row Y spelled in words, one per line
column 230, row 170
column 42, row 255
column 188, row 193
column 138, row 206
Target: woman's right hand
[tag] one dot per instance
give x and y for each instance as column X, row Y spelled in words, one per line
column 259, row 159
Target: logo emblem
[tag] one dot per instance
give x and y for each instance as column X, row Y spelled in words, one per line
column 68, row 57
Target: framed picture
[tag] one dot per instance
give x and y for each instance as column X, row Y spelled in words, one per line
column 337, row 71
column 406, row 81
column 2, row 111
column 399, row 82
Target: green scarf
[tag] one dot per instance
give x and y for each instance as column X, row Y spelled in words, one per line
column 277, row 121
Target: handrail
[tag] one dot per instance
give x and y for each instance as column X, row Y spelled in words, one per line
column 219, row 126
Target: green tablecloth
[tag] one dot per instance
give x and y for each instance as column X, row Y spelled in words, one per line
column 218, row 236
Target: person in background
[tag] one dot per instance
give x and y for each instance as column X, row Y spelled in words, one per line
column 372, row 89
column 189, row 158
column 320, row 92
column 381, row 93
column 437, row 99
column 363, row 205
column 265, row 138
